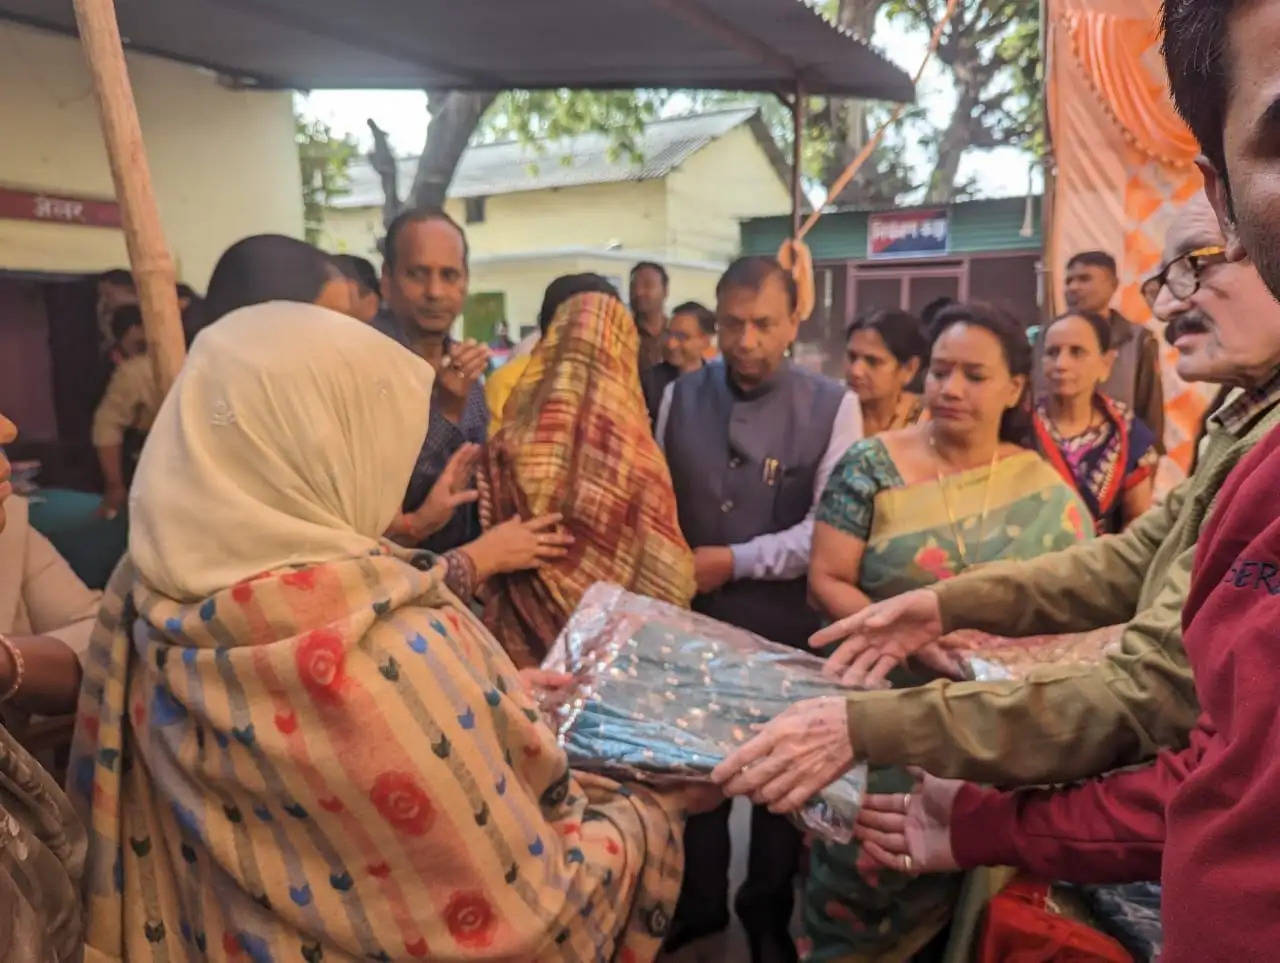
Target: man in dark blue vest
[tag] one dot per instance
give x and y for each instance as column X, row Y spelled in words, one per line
column 750, row 442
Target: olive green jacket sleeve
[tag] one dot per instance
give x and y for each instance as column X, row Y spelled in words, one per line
column 1061, row 722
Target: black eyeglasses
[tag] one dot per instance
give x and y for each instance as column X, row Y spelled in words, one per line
column 1182, row 275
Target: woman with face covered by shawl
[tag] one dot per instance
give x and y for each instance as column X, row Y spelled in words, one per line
column 577, row 442
column 294, row 741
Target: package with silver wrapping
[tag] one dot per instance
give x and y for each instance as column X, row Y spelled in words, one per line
column 662, row 694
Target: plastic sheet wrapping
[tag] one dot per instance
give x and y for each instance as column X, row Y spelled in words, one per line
column 663, row 694
column 1130, row 913
column 993, row 658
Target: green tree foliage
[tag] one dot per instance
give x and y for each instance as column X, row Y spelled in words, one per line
column 324, row 160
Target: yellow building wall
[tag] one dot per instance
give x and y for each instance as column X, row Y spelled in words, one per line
column 524, row 281
column 224, row 162
column 728, row 180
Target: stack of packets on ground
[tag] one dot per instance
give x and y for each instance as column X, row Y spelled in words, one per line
column 991, row 658
column 664, row 694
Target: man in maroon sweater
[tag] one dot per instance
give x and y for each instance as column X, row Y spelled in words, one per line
column 1201, row 820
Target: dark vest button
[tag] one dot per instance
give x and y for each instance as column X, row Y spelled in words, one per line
column 735, row 462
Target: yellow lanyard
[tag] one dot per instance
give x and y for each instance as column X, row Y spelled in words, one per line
column 951, row 515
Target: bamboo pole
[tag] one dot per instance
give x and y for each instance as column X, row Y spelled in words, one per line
column 149, row 256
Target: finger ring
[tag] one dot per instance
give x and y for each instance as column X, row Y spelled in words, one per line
column 906, row 864
column 906, row 801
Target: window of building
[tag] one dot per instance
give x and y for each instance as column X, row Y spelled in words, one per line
column 476, row 210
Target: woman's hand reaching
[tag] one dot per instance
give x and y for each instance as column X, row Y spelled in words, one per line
column 451, row 491
column 516, row 545
column 910, row 832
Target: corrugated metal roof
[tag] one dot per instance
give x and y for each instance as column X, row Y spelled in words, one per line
column 497, row 44
column 489, row 169
column 976, row 227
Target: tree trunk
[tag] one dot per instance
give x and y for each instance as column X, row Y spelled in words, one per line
column 383, row 161
column 849, row 116
column 454, row 116
column 956, row 137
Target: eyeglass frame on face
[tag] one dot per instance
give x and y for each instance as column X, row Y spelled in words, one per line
column 1198, row 261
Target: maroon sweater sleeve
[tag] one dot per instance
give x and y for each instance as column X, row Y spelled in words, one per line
column 1107, row 830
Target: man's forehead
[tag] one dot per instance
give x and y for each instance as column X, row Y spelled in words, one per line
column 1194, row 227
column 430, row 242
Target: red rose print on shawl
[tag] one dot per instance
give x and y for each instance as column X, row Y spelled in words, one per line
column 319, row 660
column 471, row 920
column 934, row 560
column 402, row 803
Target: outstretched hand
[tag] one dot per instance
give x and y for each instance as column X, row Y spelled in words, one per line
column 910, row 832
column 880, row 637
column 451, row 491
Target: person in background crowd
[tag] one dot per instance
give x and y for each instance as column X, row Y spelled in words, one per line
column 366, row 290
column 929, row 313
column 909, row 508
column 499, row 385
column 269, row 268
column 191, row 305
column 114, row 290
column 1067, row 722
column 886, row 351
column 751, row 443
column 1135, row 379
column 127, row 409
column 501, row 340
column 1095, row 442
column 689, row 334
column 650, row 287
column 356, row 714
column 424, row 286
column 42, row 859
column 576, row 440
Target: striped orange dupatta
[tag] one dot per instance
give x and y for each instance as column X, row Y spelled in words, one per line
column 576, row 439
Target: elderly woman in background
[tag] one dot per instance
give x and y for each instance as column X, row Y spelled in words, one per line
column 1097, row 445
column 295, row 742
column 42, row 844
column 886, row 350
column 576, row 441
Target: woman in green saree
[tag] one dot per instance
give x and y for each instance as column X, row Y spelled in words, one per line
column 906, row 509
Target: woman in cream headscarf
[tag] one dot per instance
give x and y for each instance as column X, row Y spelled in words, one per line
column 295, row 742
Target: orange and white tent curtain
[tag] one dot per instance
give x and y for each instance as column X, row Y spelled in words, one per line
column 1125, row 165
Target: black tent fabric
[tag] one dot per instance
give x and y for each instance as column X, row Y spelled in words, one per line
column 761, row 45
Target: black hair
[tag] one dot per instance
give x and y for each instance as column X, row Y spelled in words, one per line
column 266, row 267
column 123, row 318
column 706, row 317
column 188, row 292
column 563, row 288
column 1015, row 426
column 929, row 313
column 1101, row 326
column 751, row 273
column 652, row 266
column 117, row 276
column 360, row 270
column 420, row 215
column 1099, row 259
column 1195, row 56
column 900, row 332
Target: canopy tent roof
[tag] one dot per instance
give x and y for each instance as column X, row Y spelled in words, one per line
column 497, row 44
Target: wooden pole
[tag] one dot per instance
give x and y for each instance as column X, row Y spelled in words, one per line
column 798, row 105
column 153, row 270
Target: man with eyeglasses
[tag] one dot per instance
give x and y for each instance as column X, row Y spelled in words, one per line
column 1062, row 722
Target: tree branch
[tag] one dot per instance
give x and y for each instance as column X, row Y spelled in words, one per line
column 383, row 161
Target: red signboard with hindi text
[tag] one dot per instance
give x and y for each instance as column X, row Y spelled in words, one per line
column 24, row 205
column 908, row 233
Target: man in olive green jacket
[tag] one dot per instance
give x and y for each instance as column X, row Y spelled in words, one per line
column 1062, row 722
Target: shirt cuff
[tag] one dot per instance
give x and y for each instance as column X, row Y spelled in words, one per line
column 983, row 827
column 746, row 559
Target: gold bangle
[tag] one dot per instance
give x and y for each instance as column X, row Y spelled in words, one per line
column 19, row 668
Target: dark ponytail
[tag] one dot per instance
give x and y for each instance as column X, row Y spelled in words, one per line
column 1015, row 426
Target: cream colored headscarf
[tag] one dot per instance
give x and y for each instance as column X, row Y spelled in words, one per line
column 288, row 438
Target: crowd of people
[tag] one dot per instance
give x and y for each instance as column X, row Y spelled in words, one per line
column 307, row 705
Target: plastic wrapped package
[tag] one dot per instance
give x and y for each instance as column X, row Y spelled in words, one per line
column 662, row 694
column 1131, row 913
column 992, row 658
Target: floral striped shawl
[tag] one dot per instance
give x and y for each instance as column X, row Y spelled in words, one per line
column 576, row 439
column 337, row 762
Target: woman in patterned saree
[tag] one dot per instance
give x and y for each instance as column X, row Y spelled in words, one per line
column 294, row 741
column 1095, row 442
column 901, row 511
